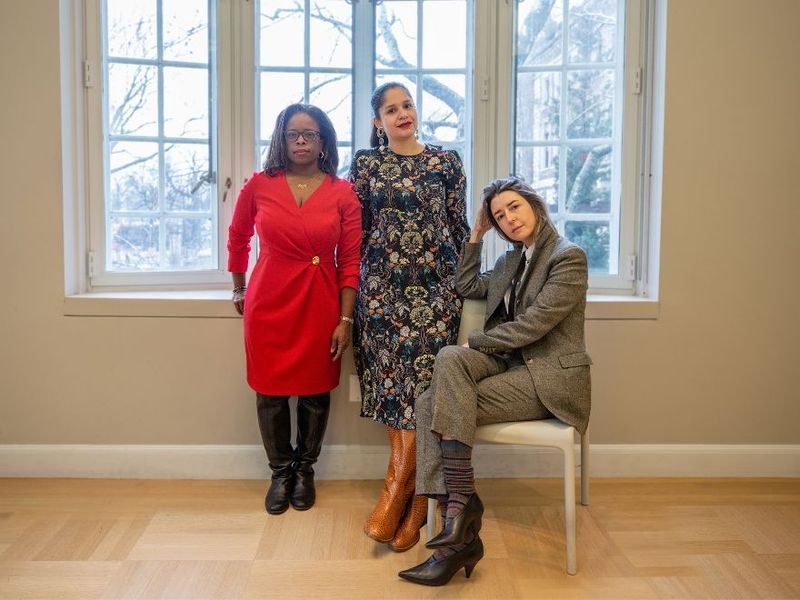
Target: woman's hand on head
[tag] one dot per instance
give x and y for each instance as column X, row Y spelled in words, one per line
column 481, row 226
column 340, row 340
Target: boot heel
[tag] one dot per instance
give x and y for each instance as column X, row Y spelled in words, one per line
column 468, row 569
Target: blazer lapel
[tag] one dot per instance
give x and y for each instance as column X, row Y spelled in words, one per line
column 498, row 287
column 536, row 275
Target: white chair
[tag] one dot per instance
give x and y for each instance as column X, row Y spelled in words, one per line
column 548, row 432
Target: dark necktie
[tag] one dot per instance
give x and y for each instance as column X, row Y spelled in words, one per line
column 512, row 298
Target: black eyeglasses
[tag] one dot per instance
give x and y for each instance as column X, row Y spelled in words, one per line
column 309, row 135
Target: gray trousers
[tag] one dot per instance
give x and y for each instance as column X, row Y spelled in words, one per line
column 469, row 388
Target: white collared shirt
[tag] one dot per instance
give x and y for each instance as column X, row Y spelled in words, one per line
column 528, row 255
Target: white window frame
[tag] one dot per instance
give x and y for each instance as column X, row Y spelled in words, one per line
column 98, row 279
column 494, row 122
column 491, row 136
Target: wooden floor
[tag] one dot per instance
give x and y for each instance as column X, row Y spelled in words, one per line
column 639, row 538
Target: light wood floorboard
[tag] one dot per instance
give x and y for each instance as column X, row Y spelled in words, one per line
column 640, row 538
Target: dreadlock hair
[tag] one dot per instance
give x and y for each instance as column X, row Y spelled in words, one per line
column 278, row 155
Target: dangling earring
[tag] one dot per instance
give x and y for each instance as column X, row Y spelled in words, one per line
column 321, row 155
column 381, row 139
column 416, row 133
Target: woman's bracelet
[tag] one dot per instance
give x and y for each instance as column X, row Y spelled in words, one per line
column 349, row 320
column 239, row 289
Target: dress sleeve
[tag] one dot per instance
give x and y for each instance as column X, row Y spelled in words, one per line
column 456, row 198
column 359, row 178
column 348, row 250
column 241, row 228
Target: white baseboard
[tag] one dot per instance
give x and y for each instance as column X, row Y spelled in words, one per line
column 369, row 462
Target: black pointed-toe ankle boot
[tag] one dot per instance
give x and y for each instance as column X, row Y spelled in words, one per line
column 312, row 419
column 439, row 572
column 274, row 421
column 465, row 524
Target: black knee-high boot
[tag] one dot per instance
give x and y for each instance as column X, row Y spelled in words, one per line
column 274, row 421
column 312, row 418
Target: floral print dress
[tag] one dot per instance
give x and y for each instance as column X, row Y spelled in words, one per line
column 413, row 221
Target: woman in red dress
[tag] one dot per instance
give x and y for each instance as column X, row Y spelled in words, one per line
column 298, row 306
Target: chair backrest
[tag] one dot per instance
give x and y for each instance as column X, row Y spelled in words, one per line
column 471, row 318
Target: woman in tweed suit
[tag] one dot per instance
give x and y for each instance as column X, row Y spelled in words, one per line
column 529, row 362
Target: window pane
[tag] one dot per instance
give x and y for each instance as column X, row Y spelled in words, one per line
column 185, row 167
column 281, row 33
column 444, row 51
column 333, row 93
column 538, row 106
column 443, row 110
column 134, row 243
column 185, row 102
column 590, row 96
column 443, row 100
column 131, row 28
column 132, row 99
column 189, row 244
column 565, row 128
column 345, row 158
column 539, row 32
column 278, row 90
column 592, row 30
column 295, row 68
column 331, row 33
column 396, row 34
column 133, row 176
column 185, row 30
column 152, row 100
column 538, row 166
column 589, row 179
column 593, row 237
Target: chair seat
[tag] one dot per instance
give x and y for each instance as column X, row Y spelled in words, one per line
column 544, row 432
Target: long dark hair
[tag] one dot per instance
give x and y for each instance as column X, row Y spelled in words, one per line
column 377, row 101
column 278, row 156
column 514, row 184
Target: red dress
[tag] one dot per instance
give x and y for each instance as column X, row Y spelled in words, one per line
column 306, row 255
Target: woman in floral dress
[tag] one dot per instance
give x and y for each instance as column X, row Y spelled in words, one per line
column 413, row 201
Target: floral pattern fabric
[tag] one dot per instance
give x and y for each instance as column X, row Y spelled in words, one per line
column 413, row 221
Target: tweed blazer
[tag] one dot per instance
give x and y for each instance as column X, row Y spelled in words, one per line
column 549, row 326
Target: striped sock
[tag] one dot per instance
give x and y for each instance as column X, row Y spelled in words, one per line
column 459, row 478
column 442, row 498
column 445, row 551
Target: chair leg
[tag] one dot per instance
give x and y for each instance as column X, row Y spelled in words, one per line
column 569, row 506
column 433, row 515
column 585, row 469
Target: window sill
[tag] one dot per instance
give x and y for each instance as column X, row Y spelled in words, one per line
column 212, row 304
column 216, row 304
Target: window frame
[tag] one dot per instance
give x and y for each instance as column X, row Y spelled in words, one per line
column 491, row 142
column 633, row 158
column 99, row 279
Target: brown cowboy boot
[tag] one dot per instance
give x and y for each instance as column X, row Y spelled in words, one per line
column 408, row 533
column 397, row 489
